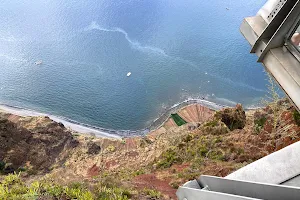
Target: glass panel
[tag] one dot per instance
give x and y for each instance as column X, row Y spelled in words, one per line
column 295, row 38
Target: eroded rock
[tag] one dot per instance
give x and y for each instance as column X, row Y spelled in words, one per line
column 42, row 146
column 234, row 118
column 93, row 148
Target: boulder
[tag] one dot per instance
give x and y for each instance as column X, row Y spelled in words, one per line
column 93, row 148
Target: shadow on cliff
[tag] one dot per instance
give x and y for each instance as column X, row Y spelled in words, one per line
column 33, row 149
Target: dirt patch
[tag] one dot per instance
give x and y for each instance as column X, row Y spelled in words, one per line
column 151, row 181
column 93, row 171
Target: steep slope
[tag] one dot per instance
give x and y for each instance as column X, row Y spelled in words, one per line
column 33, row 143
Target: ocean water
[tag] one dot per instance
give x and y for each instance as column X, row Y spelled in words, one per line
column 175, row 50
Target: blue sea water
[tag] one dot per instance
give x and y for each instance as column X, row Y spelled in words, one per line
column 174, row 49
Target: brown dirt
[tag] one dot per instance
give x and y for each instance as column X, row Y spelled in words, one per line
column 152, row 182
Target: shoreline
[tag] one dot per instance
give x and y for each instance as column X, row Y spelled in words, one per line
column 110, row 133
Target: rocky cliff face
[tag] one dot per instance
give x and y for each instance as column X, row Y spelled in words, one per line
column 26, row 143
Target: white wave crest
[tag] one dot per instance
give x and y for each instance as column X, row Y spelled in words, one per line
column 224, row 101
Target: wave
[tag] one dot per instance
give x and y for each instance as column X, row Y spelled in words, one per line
column 138, row 46
column 226, row 101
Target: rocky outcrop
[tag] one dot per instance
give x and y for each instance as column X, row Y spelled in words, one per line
column 93, row 148
column 234, row 118
column 36, row 148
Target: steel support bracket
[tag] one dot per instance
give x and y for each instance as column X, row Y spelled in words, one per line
column 216, row 188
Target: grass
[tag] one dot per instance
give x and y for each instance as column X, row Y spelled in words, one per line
column 12, row 187
column 178, row 120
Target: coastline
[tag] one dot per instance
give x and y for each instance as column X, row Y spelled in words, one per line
column 110, row 133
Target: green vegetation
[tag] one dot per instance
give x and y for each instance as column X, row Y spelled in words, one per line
column 169, row 157
column 259, row 124
column 2, row 166
column 111, row 148
column 138, row 172
column 178, row 120
column 152, row 194
column 105, row 193
column 296, row 116
column 215, row 127
column 192, row 149
column 12, row 187
column 212, row 123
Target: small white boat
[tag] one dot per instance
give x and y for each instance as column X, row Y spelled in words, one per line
column 128, row 74
column 39, row 62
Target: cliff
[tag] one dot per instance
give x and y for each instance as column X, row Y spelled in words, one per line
column 56, row 163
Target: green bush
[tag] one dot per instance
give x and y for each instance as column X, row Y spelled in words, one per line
column 2, row 166
column 259, row 124
column 168, row 158
column 113, row 193
column 296, row 116
column 212, row 123
column 152, row 194
column 192, row 150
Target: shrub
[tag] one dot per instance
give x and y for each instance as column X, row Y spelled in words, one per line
column 2, row 166
column 111, row 148
column 168, row 158
column 296, row 116
column 259, row 124
column 113, row 193
column 215, row 128
column 153, row 194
